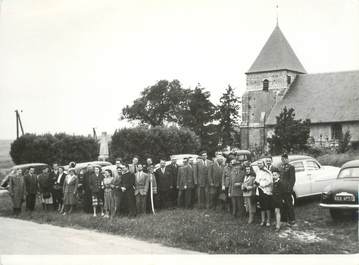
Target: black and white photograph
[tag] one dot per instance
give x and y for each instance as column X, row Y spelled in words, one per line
column 160, row 131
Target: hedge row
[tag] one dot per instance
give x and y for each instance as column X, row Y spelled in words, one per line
column 61, row 148
column 154, row 142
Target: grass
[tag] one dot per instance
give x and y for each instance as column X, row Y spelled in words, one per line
column 5, row 159
column 217, row 232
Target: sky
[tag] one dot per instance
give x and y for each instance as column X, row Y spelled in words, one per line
column 72, row 65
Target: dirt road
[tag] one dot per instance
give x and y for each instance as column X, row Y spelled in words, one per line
column 24, row 237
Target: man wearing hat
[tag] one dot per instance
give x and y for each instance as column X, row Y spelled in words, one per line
column 287, row 177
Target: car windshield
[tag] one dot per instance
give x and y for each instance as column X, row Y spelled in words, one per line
column 352, row 172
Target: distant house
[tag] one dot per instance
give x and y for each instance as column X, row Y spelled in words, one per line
column 277, row 79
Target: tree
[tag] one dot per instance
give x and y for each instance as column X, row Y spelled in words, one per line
column 199, row 115
column 158, row 104
column 155, row 142
column 228, row 115
column 289, row 134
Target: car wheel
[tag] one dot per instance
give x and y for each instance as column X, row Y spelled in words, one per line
column 335, row 213
column 294, row 199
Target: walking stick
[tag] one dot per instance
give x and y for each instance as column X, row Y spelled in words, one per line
column 152, row 204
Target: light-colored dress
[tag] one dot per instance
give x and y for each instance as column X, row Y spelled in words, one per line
column 109, row 194
column 70, row 189
column 17, row 190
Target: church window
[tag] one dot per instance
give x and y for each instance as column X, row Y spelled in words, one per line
column 265, row 85
column 289, row 79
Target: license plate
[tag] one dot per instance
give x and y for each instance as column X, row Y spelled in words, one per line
column 344, row 198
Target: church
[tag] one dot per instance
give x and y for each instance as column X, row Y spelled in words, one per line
column 277, row 79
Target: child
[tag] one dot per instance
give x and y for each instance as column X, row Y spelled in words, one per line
column 249, row 191
column 277, row 198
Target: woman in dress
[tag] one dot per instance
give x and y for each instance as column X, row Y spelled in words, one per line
column 17, row 190
column 108, row 187
column 249, row 191
column 264, row 182
column 95, row 185
column 58, row 186
column 70, row 188
column 45, row 187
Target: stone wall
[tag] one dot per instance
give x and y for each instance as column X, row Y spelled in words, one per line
column 277, row 80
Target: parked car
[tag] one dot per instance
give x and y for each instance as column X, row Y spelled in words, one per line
column 83, row 165
column 179, row 159
column 25, row 167
column 311, row 176
column 241, row 155
column 342, row 195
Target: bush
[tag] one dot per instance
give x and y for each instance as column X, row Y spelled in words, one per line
column 48, row 148
column 344, row 143
column 155, row 142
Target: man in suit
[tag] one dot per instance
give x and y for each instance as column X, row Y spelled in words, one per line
column 215, row 179
column 172, row 170
column 56, row 194
column 287, row 178
column 202, row 172
column 163, row 178
column 141, row 188
column 85, row 188
column 30, row 189
column 127, row 184
column 133, row 167
column 117, row 192
column 185, row 184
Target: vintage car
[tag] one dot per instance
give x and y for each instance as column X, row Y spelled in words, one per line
column 241, row 155
column 311, row 176
column 25, row 167
column 342, row 195
column 179, row 159
column 81, row 166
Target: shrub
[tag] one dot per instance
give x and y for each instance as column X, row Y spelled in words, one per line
column 344, row 143
column 48, row 148
column 155, row 142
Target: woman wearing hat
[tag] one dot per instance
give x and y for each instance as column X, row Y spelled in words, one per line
column 70, row 188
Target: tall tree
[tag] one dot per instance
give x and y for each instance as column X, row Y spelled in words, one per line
column 198, row 115
column 158, row 104
column 289, row 133
column 228, row 115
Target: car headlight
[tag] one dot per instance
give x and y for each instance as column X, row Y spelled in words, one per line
column 326, row 195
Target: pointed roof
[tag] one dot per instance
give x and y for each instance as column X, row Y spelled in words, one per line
column 276, row 55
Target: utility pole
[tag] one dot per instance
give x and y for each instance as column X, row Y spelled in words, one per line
column 18, row 122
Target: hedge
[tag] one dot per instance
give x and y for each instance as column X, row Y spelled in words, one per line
column 47, row 148
column 155, row 142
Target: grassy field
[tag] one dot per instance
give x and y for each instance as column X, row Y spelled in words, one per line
column 216, row 231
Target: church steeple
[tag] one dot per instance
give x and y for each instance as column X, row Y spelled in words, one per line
column 276, row 55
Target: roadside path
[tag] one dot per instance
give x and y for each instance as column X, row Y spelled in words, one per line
column 25, row 237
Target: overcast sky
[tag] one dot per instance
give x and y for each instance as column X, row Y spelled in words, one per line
column 72, row 65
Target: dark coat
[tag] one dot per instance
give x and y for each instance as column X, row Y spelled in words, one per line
column 172, row 172
column 95, row 182
column 163, row 179
column 202, row 172
column 30, row 183
column 287, row 177
column 235, row 181
column 128, row 181
column 216, row 173
column 45, row 182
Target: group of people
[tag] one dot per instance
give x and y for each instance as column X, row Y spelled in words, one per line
column 135, row 189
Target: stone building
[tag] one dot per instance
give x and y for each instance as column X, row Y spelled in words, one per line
column 277, row 79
